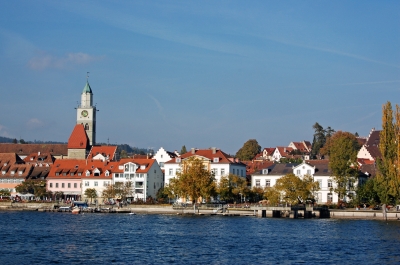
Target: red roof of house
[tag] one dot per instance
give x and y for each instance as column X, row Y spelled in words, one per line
column 26, row 149
column 210, row 154
column 104, row 150
column 78, row 138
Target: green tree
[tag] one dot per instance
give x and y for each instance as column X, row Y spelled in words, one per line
column 161, row 195
column 193, row 181
column 5, row 192
column 342, row 149
column 366, row 193
column 272, row 195
column 249, row 150
column 22, row 141
column 183, row 150
column 119, row 190
column 35, row 187
column 387, row 179
column 123, row 154
column 15, row 141
column 91, row 193
column 318, row 140
column 232, row 187
column 296, row 190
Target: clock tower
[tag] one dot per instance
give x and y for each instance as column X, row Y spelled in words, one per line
column 86, row 113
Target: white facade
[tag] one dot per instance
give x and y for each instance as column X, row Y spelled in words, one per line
column 146, row 177
column 163, row 156
column 325, row 193
column 364, row 153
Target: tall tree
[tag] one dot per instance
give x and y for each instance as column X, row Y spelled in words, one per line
column 91, row 193
column 318, row 140
column 193, row 181
column 387, row 179
column 183, row 150
column 249, row 150
column 342, row 149
column 232, row 187
column 296, row 190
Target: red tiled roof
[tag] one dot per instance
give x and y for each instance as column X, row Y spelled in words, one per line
column 75, row 166
column 104, row 150
column 44, row 158
column 223, row 158
column 12, row 162
column 78, row 138
column 26, row 149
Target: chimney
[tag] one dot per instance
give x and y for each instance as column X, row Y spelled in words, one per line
column 38, row 153
column 193, row 151
column 214, row 150
column 284, row 149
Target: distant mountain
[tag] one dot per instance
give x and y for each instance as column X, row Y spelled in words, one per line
column 5, row 140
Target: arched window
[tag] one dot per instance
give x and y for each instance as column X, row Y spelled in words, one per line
column 86, row 126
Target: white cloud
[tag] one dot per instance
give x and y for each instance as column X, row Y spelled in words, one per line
column 45, row 60
column 34, row 123
column 3, row 132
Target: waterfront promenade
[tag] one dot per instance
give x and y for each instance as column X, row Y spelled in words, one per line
column 269, row 212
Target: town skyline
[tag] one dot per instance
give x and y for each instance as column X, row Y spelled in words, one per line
column 197, row 74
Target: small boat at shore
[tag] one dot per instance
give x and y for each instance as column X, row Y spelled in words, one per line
column 76, row 210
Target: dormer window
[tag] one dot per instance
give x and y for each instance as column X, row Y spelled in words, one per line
column 3, row 172
column 5, row 164
column 178, row 160
column 143, row 167
column 107, row 174
column 12, row 172
column 87, row 173
column 20, row 172
column 265, row 171
column 216, row 159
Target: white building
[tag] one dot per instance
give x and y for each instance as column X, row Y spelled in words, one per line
column 318, row 169
column 216, row 161
column 163, row 156
column 145, row 174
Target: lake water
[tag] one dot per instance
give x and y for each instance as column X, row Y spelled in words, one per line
column 64, row 238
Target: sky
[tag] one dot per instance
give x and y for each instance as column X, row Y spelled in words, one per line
column 198, row 73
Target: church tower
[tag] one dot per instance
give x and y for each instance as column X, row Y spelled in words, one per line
column 86, row 113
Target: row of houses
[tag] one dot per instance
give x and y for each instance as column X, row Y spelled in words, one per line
column 80, row 164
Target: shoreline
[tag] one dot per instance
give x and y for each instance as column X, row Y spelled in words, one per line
column 168, row 209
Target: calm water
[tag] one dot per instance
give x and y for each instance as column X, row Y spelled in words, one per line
column 64, row 238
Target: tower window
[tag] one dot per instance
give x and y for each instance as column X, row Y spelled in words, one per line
column 86, row 126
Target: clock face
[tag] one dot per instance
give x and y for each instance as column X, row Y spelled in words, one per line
column 84, row 113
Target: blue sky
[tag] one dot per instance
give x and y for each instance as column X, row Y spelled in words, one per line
column 198, row 73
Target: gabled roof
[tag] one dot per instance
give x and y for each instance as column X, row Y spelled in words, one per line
column 321, row 167
column 105, row 150
column 78, row 138
column 254, row 166
column 284, row 150
column 75, row 166
column 26, row 149
column 372, row 144
column 209, row 154
column 11, row 162
column 148, row 163
column 282, row 169
column 44, row 158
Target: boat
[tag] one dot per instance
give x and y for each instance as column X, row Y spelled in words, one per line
column 76, row 210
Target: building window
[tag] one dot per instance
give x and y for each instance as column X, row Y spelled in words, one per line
column 96, row 183
column 257, row 183
column 75, row 185
column 56, row 185
column 161, row 164
column 69, row 185
column 105, row 184
column 72, row 174
column 86, row 126
column 309, row 172
column 87, row 173
column 62, row 185
column 214, row 171
column 233, row 171
column 86, row 183
column 329, row 183
column 320, row 183
column 298, row 172
column 51, row 185
column 171, row 171
column 330, row 197
column 267, row 183
column 222, row 171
